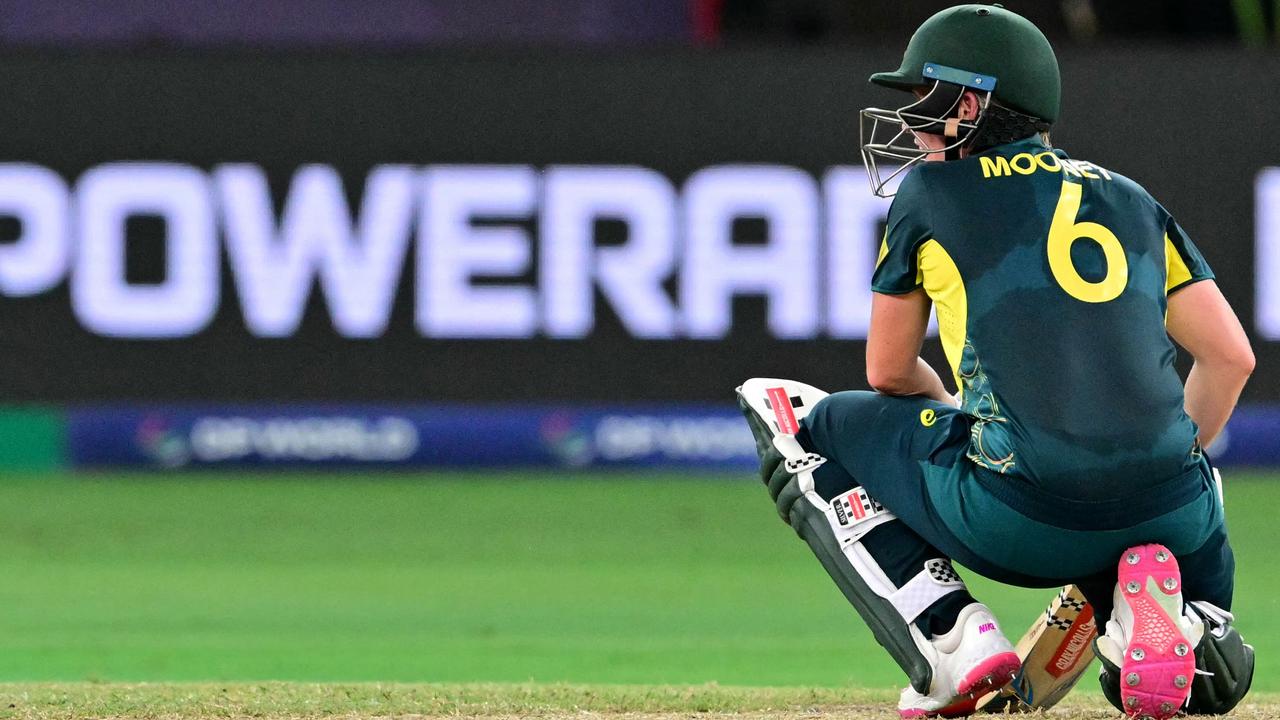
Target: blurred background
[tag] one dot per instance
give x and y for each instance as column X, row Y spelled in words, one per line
column 397, row 339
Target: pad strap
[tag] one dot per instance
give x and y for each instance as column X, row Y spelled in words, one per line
column 856, row 507
column 1211, row 612
column 928, row 586
column 796, row 459
column 852, row 514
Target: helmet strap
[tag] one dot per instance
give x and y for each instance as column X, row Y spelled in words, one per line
column 951, row 131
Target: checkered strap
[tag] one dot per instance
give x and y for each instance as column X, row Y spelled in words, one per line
column 936, row 580
column 796, row 458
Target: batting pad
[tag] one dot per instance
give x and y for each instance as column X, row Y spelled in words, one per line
column 833, row 530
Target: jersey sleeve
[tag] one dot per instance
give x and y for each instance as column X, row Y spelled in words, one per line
column 1183, row 262
column 897, row 268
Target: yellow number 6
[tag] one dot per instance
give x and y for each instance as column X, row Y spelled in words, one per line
column 1064, row 232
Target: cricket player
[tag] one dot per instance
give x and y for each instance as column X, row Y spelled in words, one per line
column 1072, row 452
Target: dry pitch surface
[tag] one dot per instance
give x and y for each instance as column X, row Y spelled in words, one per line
column 68, row 701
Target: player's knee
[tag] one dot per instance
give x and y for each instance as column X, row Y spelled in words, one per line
column 836, row 413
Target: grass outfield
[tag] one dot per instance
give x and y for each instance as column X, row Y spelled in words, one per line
column 459, row 578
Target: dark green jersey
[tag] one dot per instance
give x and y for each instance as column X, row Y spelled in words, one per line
column 1050, row 278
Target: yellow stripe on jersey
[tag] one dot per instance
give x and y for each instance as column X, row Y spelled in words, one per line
column 943, row 285
column 1176, row 271
column 884, row 249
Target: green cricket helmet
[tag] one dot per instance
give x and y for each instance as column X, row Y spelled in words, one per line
column 996, row 53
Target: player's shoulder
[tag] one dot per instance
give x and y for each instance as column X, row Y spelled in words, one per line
column 912, row 194
column 1109, row 177
column 1120, row 188
column 923, row 186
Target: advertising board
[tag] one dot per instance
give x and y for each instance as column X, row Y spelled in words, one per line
column 541, row 227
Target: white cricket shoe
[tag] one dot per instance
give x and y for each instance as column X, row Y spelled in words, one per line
column 971, row 660
column 1151, row 637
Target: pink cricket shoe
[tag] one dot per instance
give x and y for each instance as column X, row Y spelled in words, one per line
column 1149, row 637
column 971, row 660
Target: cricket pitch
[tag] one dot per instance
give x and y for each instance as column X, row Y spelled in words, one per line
column 180, row 701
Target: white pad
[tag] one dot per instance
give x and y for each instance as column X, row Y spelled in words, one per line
column 783, row 403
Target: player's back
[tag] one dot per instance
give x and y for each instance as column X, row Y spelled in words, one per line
column 1050, row 277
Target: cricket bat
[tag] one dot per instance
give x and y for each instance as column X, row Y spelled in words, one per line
column 1055, row 652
